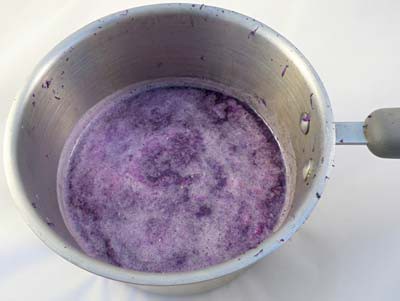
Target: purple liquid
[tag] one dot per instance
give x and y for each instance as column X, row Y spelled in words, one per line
column 171, row 179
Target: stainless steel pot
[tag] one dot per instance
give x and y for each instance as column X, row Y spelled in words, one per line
column 160, row 42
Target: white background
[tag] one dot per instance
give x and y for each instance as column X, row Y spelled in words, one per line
column 350, row 247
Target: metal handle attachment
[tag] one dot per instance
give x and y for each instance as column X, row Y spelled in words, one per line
column 380, row 132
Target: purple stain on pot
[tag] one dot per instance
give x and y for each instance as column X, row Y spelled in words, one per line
column 47, row 83
column 49, row 222
column 258, row 253
column 284, row 70
column 171, row 179
column 263, row 101
column 311, row 101
column 306, row 117
column 124, row 13
column 253, row 32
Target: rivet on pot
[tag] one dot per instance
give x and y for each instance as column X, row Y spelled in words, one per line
column 305, row 119
column 307, row 169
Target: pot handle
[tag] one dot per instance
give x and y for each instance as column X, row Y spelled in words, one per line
column 380, row 132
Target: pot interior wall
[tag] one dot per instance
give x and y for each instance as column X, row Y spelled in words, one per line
column 195, row 42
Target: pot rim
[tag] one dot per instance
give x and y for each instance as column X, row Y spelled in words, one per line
column 75, row 256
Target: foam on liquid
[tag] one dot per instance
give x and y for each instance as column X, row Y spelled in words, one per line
column 171, row 179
